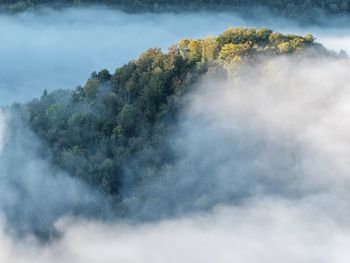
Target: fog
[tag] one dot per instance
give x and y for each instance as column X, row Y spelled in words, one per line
column 48, row 49
column 262, row 177
column 263, row 231
column 34, row 195
column 280, row 133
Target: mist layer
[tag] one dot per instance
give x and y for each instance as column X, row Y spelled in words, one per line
column 263, row 170
column 54, row 49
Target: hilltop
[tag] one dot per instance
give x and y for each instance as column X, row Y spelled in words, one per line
column 104, row 131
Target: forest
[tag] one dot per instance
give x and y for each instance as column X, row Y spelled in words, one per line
column 112, row 131
column 309, row 9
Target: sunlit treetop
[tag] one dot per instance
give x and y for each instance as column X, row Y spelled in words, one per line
column 239, row 43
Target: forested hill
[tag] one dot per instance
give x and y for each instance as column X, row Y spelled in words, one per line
column 297, row 8
column 116, row 125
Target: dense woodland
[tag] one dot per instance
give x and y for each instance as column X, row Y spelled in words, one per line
column 308, row 8
column 112, row 131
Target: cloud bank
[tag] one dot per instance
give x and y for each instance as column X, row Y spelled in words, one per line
column 264, row 231
column 274, row 129
column 262, row 176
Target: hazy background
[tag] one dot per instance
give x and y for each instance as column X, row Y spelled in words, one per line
column 48, row 49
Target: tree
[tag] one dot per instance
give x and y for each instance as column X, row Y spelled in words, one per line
column 234, row 51
column 127, row 119
column 285, row 48
column 210, row 49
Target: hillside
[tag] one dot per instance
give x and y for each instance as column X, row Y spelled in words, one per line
column 308, row 10
column 116, row 125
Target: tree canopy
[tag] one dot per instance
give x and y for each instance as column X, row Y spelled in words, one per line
column 105, row 130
